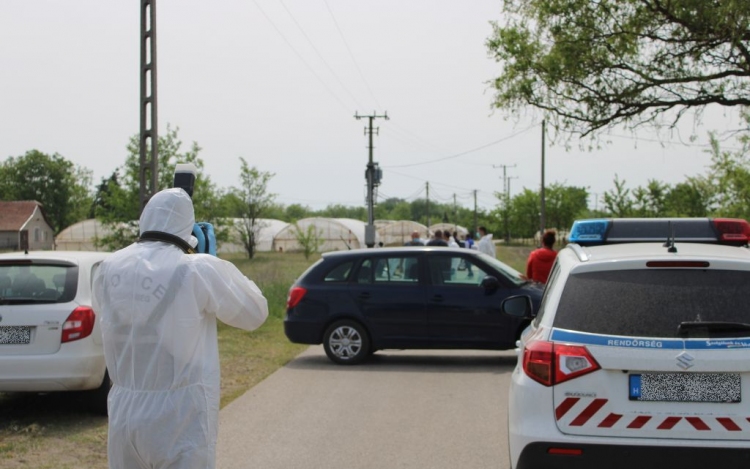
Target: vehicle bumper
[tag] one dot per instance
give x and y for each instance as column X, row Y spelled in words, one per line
column 532, row 431
column 75, row 367
column 301, row 332
column 597, row 456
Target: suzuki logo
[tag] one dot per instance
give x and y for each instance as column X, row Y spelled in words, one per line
column 685, row 360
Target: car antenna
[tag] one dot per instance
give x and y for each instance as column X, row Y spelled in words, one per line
column 670, row 239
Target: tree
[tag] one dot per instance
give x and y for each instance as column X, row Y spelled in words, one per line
column 63, row 189
column 524, row 213
column 256, row 201
column 687, row 199
column 309, row 239
column 591, row 65
column 563, row 204
column 618, row 201
column 650, row 201
column 118, row 203
column 728, row 179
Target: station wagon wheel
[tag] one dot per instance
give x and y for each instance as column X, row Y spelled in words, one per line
column 346, row 342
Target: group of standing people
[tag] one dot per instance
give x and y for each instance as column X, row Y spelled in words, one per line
column 538, row 265
column 445, row 239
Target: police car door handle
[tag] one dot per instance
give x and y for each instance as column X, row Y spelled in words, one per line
column 437, row 299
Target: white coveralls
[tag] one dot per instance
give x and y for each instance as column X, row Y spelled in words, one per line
column 486, row 245
column 158, row 308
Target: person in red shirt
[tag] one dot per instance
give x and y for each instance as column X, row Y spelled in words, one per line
column 541, row 260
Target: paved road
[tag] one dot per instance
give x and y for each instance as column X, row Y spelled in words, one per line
column 403, row 409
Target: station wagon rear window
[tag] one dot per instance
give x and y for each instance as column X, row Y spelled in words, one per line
column 654, row 302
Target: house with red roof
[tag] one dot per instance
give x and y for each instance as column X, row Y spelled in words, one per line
column 23, row 225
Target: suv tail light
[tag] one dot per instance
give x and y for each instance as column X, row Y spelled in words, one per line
column 295, row 296
column 79, row 324
column 549, row 363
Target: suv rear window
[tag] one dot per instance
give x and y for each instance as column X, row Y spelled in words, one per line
column 31, row 283
column 652, row 302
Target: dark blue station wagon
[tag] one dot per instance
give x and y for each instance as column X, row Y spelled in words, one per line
column 360, row 301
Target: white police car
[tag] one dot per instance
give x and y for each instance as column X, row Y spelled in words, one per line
column 640, row 353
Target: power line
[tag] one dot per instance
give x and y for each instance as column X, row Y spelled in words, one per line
column 670, row 142
column 351, row 55
column 320, row 56
column 464, row 152
column 301, row 58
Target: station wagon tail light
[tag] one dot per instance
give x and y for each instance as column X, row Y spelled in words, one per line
column 549, row 363
column 732, row 229
column 295, row 296
column 79, row 324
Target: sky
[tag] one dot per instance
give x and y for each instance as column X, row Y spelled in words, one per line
column 278, row 83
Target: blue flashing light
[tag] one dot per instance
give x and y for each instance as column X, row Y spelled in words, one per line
column 589, row 231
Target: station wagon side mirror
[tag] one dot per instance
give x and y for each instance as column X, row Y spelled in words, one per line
column 518, row 307
column 490, row 283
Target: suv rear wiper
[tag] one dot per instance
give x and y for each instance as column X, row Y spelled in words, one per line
column 712, row 326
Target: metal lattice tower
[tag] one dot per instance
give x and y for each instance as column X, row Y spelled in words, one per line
column 149, row 162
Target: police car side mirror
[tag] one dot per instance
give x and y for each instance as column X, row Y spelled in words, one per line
column 518, row 307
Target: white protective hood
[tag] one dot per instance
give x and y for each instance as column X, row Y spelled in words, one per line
column 157, row 308
column 170, row 211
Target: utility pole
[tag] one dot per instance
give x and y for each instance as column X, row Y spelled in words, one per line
column 428, row 205
column 505, row 198
column 475, row 213
column 542, row 220
column 373, row 175
column 149, row 138
column 455, row 213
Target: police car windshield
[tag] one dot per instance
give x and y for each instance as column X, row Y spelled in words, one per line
column 655, row 302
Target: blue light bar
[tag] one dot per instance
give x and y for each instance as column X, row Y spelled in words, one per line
column 589, row 231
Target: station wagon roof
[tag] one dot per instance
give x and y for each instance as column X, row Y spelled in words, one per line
column 399, row 250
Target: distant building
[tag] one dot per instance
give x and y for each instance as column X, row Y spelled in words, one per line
column 23, row 225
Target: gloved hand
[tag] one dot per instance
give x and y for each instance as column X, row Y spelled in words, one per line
column 204, row 232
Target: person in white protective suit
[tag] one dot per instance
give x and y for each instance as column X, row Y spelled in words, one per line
column 158, row 307
column 485, row 244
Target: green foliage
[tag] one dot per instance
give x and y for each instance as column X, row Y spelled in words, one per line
column 590, row 65
column 309, row 239
column 524, row 214
column 564, row 204
column 687, row 199
column 117, row 201
column 64, row 189
column 617, row 201
column 254, row 201
column 728, row 180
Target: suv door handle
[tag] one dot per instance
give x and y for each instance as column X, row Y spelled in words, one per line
column 437, row 299
column 364, row 295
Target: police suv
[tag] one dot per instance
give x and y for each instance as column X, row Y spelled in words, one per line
column 640, row 353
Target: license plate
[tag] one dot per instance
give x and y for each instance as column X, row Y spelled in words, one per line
column 13, row 335
column 685, row 387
